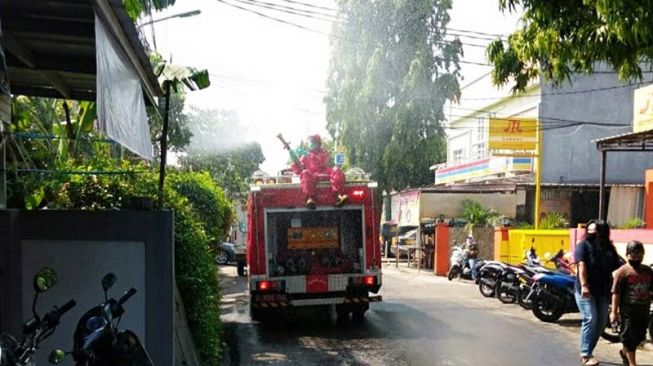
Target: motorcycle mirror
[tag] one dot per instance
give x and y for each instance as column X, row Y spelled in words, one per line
column 56, row 356
column 108, row 281
column 44, row 279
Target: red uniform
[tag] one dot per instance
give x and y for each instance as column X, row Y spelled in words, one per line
column 316, row 168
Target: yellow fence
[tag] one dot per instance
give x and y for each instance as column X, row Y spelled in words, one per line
column 518, row 242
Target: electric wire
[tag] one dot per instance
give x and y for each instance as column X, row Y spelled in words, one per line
column 286, row 10
column 569, row 92
column 270, row 17
column 268, row 5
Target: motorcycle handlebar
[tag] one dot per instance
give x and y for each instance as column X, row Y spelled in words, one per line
column 127, row 295
column 65, row 308
column 52, row 318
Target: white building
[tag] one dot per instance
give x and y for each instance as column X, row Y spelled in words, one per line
column 468, row 158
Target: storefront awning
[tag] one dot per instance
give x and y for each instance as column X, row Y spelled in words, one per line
column 632, row 141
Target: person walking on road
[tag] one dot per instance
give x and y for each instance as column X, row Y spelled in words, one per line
column 596, row 258
column 631, row 300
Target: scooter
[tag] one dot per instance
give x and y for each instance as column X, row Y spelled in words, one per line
column 13, row 353
column 459, row 263
column 97, row 340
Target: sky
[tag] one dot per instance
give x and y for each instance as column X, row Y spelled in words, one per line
column 273, row 75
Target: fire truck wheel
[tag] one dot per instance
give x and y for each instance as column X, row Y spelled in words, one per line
column 343, row 312
column 358, row 311
column 257, row 314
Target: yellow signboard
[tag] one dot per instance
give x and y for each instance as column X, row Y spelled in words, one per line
column 643, row 112
column 513, row 134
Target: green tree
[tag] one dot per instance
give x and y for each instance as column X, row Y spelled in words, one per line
column 135, row 8
column 179, row 134
column 214, row 130
column 390, row 74
column 559, row 37
column 476, row 215
column 230, row 169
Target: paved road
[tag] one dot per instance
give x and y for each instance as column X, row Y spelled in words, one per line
column 423, row 320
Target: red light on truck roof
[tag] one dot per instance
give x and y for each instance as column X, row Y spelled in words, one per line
column 369, row 280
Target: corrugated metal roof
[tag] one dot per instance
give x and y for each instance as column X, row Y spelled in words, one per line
column 632, row 141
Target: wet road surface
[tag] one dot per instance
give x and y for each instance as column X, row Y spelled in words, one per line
column 423, row 320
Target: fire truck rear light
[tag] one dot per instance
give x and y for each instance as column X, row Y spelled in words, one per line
column 358, row 194
column 264, row 285
column 269, row 285
column 369, row 280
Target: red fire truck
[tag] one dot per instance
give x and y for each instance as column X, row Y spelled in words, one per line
column 312, row 257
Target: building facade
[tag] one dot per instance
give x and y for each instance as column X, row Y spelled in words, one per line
column 571, row 116
column 468, row 157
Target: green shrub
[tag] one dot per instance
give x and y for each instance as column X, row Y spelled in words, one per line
column 197, row 278
column 634, row 223
column 476, row 215
column 208, row 200
column 554, row 220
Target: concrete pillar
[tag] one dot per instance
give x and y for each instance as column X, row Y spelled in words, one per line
column 500, row 240
column 441, row 253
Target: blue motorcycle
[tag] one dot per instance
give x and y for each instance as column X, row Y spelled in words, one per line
column 552, row 295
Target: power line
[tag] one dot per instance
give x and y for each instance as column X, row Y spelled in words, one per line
column 570, row 92
column 470, row 36
column 273, row 7
column 477, row 32
column 290, row 10
column 310, row 5
column 270, row 17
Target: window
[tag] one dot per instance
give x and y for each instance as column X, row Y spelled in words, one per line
column 478, row 150
column 481, row 124
column 457, row 156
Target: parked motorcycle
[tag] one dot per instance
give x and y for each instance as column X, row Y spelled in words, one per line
column 533, row 266
column 14, row 353
column 459, row 263
column 488, row 277
column 513, row 280
column 553, row 296
column 97, row 340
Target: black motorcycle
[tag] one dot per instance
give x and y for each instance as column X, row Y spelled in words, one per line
column 488, row 277
column 97, row 340
column 14, row 353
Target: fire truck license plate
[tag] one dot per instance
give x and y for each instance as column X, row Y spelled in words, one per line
column 270, row 298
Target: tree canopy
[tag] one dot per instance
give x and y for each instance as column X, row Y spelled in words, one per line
column 217, row 146
column 391, row 72
column 559, row 37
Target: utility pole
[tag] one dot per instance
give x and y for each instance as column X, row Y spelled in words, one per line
column 164, row 143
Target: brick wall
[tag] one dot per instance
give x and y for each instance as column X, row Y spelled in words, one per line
column 484, row 237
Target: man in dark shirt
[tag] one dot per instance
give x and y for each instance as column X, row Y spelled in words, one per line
column 472, row 255
column 631, row 299
column 597, row 258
